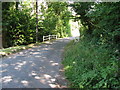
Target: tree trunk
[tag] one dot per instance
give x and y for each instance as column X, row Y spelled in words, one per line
column 17, row 3
column 36, row 21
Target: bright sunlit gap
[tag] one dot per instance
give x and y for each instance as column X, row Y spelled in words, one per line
column 74, row 28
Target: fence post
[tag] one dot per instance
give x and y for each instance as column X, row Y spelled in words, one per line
column 43, row 38
column 56, row 36
column 49, row 37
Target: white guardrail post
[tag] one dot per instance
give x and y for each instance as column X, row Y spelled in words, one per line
column 43, row 38
column 49, row 37
column 56, row 36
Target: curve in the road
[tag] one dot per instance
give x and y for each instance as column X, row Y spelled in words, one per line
column 37, row 67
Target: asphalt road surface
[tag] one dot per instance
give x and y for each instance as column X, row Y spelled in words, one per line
column 38, row 67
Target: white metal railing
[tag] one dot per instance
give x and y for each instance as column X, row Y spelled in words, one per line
column 49, row 37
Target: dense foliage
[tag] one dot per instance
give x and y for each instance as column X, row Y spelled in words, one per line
column 19, row 21
column 20, row 32
column 94, row 61
column 90, row 66
column 102, row 20
column 57, row 19
column 18, row 25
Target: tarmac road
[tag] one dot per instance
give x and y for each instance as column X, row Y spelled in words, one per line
column 38, row 67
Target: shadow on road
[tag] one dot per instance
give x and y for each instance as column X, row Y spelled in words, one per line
column 37, row 67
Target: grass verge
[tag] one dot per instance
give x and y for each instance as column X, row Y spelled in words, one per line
column 11, row 50
column 88, row 65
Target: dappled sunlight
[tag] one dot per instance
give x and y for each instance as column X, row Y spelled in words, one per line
column 47, row 76
column 43, row 81
column 9, row 57
column 54, row 64
column 35, row 68
column 52, row 85
column 53, row 79
column 3, row 65
column 51, row 61
column 21, row 53
column 37, row 77
column 6, row 79
column 38, row 56
column 3, row 71
column 35, row 52
column 19, row 65
column 48, row 48
column 25, row 83
column 33, row 73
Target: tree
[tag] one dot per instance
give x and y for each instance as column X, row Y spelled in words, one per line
column 36, row 21
column 24, row 25
column 57, row 19
column 17, row 3
column 82, row 8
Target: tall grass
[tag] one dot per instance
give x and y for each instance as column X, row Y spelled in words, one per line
column 88, row 65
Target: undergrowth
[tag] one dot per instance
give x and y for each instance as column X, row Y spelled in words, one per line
column 88, row 65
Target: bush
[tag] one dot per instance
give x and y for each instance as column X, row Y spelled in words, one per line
column 88, row 65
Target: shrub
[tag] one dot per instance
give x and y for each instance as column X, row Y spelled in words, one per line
column 88, row 65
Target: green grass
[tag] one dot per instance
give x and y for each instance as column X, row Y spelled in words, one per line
column 90, row 66
column 11, row 50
